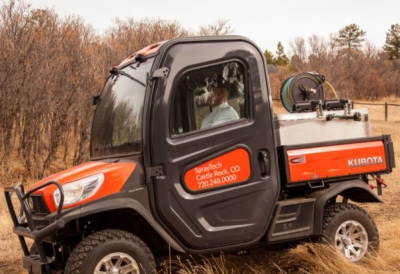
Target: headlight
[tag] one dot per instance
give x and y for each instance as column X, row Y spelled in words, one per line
column 79, row 190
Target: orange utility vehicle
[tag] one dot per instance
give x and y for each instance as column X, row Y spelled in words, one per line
column 160, row 181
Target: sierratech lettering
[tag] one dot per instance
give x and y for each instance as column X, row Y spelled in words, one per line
column 369, row 161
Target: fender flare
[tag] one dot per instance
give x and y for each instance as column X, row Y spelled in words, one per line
column 120, row 203
column 355, row 190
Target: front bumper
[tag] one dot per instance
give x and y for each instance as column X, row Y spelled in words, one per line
column 25, row 227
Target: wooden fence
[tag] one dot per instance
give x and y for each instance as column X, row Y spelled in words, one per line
column 386, row 105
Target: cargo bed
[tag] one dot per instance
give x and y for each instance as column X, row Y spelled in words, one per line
column 316, row 163
column 310, row 127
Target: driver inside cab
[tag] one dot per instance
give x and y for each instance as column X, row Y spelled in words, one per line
column 217, row 99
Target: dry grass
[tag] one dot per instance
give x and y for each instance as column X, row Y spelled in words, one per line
column 307, row 258
column 10, row 250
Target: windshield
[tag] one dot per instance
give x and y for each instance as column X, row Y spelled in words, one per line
column 117, row 123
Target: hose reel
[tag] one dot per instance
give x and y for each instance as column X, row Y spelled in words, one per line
column 304, row 92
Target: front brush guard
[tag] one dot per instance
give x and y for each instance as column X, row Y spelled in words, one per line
column 34, row 263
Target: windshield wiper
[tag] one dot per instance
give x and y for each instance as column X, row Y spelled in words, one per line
column 116, row 71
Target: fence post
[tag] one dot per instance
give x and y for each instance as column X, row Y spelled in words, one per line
column 386, row 111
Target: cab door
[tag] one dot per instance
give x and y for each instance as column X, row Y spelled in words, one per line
column 216, row 186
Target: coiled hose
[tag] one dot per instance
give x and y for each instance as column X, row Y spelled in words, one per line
column 304, row 87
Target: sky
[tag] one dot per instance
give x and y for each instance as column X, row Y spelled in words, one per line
column 264, row 22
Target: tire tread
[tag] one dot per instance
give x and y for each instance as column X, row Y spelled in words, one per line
column 332, row 210
column 76, row 259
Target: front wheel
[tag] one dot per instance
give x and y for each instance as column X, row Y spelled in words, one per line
column 111, row 251
column 350, row 229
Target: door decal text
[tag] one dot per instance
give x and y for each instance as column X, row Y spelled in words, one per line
column 230, row 168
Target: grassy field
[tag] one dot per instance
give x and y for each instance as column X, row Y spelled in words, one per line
column 307, row 258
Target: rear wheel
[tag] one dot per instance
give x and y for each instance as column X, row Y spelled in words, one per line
column 109, row 252
column 351, row 230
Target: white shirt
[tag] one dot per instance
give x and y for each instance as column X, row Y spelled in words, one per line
column 220, row 114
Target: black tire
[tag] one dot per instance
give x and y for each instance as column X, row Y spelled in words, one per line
column 110, row 246
column 351, row 230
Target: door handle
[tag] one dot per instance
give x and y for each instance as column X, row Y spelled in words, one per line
column 263, row 161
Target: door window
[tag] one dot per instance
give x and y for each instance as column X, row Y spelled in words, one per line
column 209, row 96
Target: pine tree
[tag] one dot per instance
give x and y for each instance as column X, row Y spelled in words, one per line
column 269, row 57
column 392, row 44
column 351, row 36
column 281, row 58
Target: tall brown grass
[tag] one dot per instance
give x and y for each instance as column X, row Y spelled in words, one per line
column 306, row 258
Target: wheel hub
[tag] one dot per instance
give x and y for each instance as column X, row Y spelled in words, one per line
column 114, row 271
column 351, row 239
column 347, row 241
column 117, row 263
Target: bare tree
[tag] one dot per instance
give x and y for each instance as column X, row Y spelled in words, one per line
column 51, row 67
column 220, row 27
column 126, row 37
column 299, row 53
